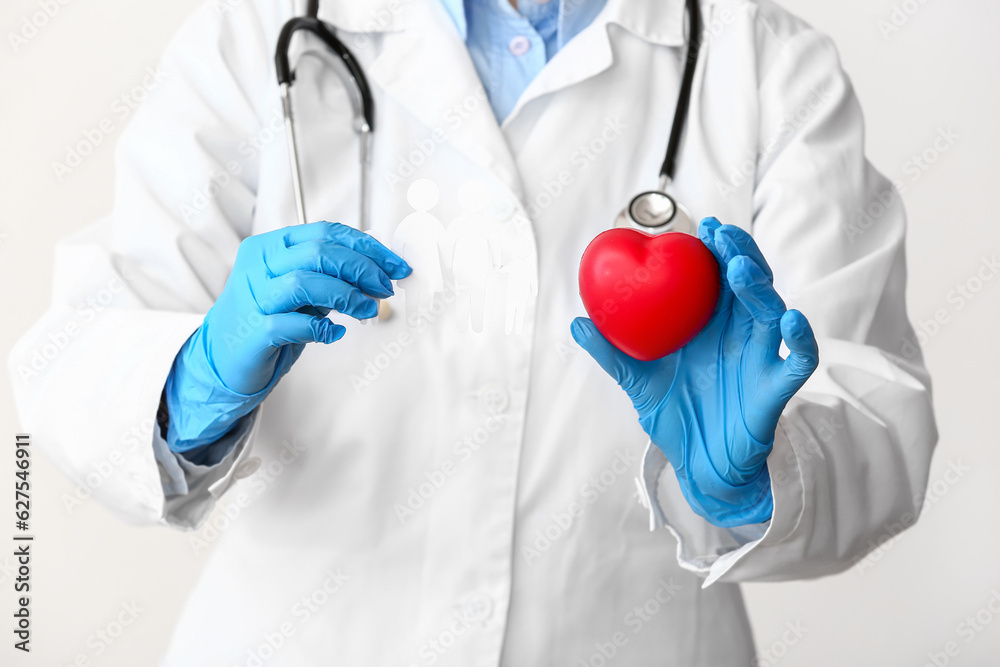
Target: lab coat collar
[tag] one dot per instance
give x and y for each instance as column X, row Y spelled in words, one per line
column 365, row 16
column 427, row 69
column 588, row 54
column 424, row 65
column 656, row 21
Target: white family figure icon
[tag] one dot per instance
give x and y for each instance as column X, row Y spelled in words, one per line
column 473, row 248
column 418, row 240
column 522, row 283
column 474, row 252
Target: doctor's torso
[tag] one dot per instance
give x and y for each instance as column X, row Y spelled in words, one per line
column 456, row 485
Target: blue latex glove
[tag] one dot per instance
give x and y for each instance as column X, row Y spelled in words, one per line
column 282, row 286
column 713, row 405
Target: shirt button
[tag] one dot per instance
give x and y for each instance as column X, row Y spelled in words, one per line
column 519, row 45
column 477, row 608
column 247, row 468
column 493, row 398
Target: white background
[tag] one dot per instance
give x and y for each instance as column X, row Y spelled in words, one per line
column 939, row 70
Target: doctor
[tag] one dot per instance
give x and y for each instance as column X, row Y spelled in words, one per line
column 462, row 488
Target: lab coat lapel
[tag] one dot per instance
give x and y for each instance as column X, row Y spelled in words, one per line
column 590, row 52
column 426, row 68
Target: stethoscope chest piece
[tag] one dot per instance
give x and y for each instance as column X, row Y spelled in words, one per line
column 655, row 212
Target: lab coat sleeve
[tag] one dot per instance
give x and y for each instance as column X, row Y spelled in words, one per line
column 128, row 290
column 853, row 447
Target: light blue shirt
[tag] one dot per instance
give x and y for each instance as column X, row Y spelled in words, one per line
column 509, row 47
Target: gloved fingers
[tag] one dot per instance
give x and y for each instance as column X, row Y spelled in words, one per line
column 347, row 236
column 292, row 291
column 733, row 242
column 754, row 290
column 290, row 328
column 334, row 260
column 314, row 311
column 803, row 352
column 706, row 232
column 615, row 363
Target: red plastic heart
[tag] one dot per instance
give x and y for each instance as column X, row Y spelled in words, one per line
column 649, row 295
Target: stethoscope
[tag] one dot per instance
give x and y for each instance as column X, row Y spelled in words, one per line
column 286, row 77
column 653, row 211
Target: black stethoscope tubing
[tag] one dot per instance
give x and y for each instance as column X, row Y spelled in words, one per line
column 311, row 23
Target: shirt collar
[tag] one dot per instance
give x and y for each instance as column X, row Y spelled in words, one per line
column 656, row 21
column 456, row 10
column 574, row 15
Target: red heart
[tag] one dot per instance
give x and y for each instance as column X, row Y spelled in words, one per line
column 649, row 295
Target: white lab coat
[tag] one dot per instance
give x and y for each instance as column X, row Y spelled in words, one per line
column 425, row 493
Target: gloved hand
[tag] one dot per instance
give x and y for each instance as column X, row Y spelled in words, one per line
column 713, row 405
column 281, row 287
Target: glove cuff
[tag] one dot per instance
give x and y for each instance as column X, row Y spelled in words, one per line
column 731, row 505
column 201, row 408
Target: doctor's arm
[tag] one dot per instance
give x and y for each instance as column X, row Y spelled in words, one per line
column 133, row 287
column 850, row 451
column 146, row 303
